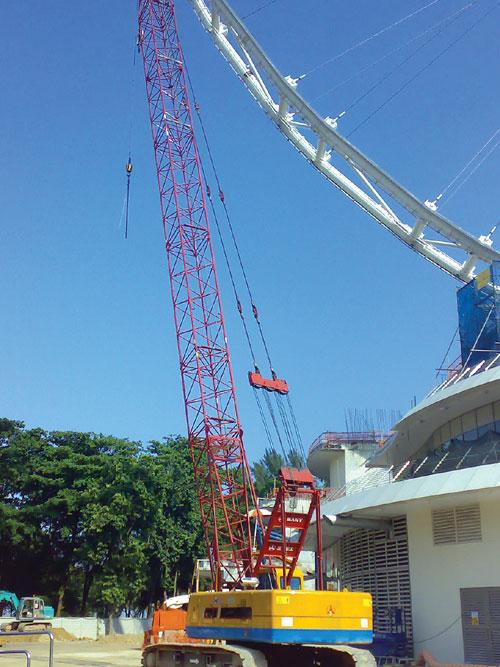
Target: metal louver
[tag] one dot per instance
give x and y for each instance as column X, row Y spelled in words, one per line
column 456, row 525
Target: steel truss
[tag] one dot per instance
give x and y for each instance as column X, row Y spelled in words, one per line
column 221, row 469
column 319, row 142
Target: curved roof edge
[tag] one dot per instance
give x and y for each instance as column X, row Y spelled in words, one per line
column 413, row 430
column 396, row 494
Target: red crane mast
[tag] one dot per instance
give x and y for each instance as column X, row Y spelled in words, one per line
column 221, row 470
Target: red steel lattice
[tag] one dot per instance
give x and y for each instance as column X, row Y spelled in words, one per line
column 221, row 469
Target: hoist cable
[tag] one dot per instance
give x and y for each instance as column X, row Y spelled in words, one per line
column 242, row 268
column 228, row 266
column 130, row 129
column 127, row 202
column 369, row 38
column 229, row 221
column 397, row 67
column 273, row 418
column 395, row 50
column 296, row 428
column 263, row 418
column 286, row 427
column 455, row 188
column 425, row 67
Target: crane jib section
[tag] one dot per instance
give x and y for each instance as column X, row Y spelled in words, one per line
column 221, row 469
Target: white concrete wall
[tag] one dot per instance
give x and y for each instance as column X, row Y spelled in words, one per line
column 337, row 469
column 129, row 626
column 438, row 573
column 92, row 628
column 81, row 628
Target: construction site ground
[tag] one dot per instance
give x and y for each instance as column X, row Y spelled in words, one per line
column 117, row 651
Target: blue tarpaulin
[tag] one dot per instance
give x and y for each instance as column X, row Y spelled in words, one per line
column 479, row 316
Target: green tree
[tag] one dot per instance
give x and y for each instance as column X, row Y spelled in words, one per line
column 93, row 521
column 266, row 470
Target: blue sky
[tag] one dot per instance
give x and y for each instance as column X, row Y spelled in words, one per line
column 353, row 317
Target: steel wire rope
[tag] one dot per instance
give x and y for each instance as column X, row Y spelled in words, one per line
column 368, row 39
column 263, row 418
column 242, row 317
column 233, row 235
column 473, row 348
column 126, row 199
column 486, row 155
column 395, row 50
column 447, row 352
column 276, row 427
column 422, row 69
column 228, row 265
column 286, row 427
column 401, row 64
column 296, row 428
column 236, row 246
column 259, row 9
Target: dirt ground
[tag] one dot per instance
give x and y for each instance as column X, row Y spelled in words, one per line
column 108, row 652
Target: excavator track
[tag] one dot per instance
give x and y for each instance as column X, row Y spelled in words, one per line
column 257, row 655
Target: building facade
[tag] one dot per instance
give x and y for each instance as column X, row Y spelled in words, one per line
column 417, row 523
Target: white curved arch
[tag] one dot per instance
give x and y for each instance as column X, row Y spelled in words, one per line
column 318, row 141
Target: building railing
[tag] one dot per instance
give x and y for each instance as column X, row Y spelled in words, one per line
column 335, row 439
column 456, row 455
column 27, row 654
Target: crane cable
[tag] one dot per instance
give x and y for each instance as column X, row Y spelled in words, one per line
column 392, row 51
column 368, row 39
column 425, row 67
column 287, row 430
column 443, row 193
column 403, row 62
column 129, row 166
column 255, row 312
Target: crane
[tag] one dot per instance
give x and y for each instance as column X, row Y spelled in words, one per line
column 282, row 621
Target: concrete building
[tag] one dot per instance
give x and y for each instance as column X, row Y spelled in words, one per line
column 416, row 522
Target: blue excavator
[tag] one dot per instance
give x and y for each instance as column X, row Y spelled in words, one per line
column 31, row 613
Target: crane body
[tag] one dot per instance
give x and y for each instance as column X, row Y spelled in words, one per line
column 238, row 609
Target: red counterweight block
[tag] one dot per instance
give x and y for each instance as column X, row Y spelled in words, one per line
column 275, row 384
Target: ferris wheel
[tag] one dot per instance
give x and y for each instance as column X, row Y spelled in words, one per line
column 317, row 138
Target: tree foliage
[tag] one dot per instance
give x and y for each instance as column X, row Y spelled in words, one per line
column 266, row 470
column 93, row 522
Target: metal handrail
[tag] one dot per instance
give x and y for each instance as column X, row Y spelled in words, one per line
column 332, row 439
column 33, row 633
column 19, row 651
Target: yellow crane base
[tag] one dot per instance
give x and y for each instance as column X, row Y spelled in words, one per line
column 281, row 617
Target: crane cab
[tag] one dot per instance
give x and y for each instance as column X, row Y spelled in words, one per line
column 272, row 577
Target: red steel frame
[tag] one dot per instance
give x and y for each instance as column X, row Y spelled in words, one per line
column 222, row 474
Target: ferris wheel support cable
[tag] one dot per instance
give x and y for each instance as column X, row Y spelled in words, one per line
column 317, row 139
column 388, row 74
column 467, row 165
column 473, row 171
column 423, row 69
column 434, row 26
column 369, row 38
